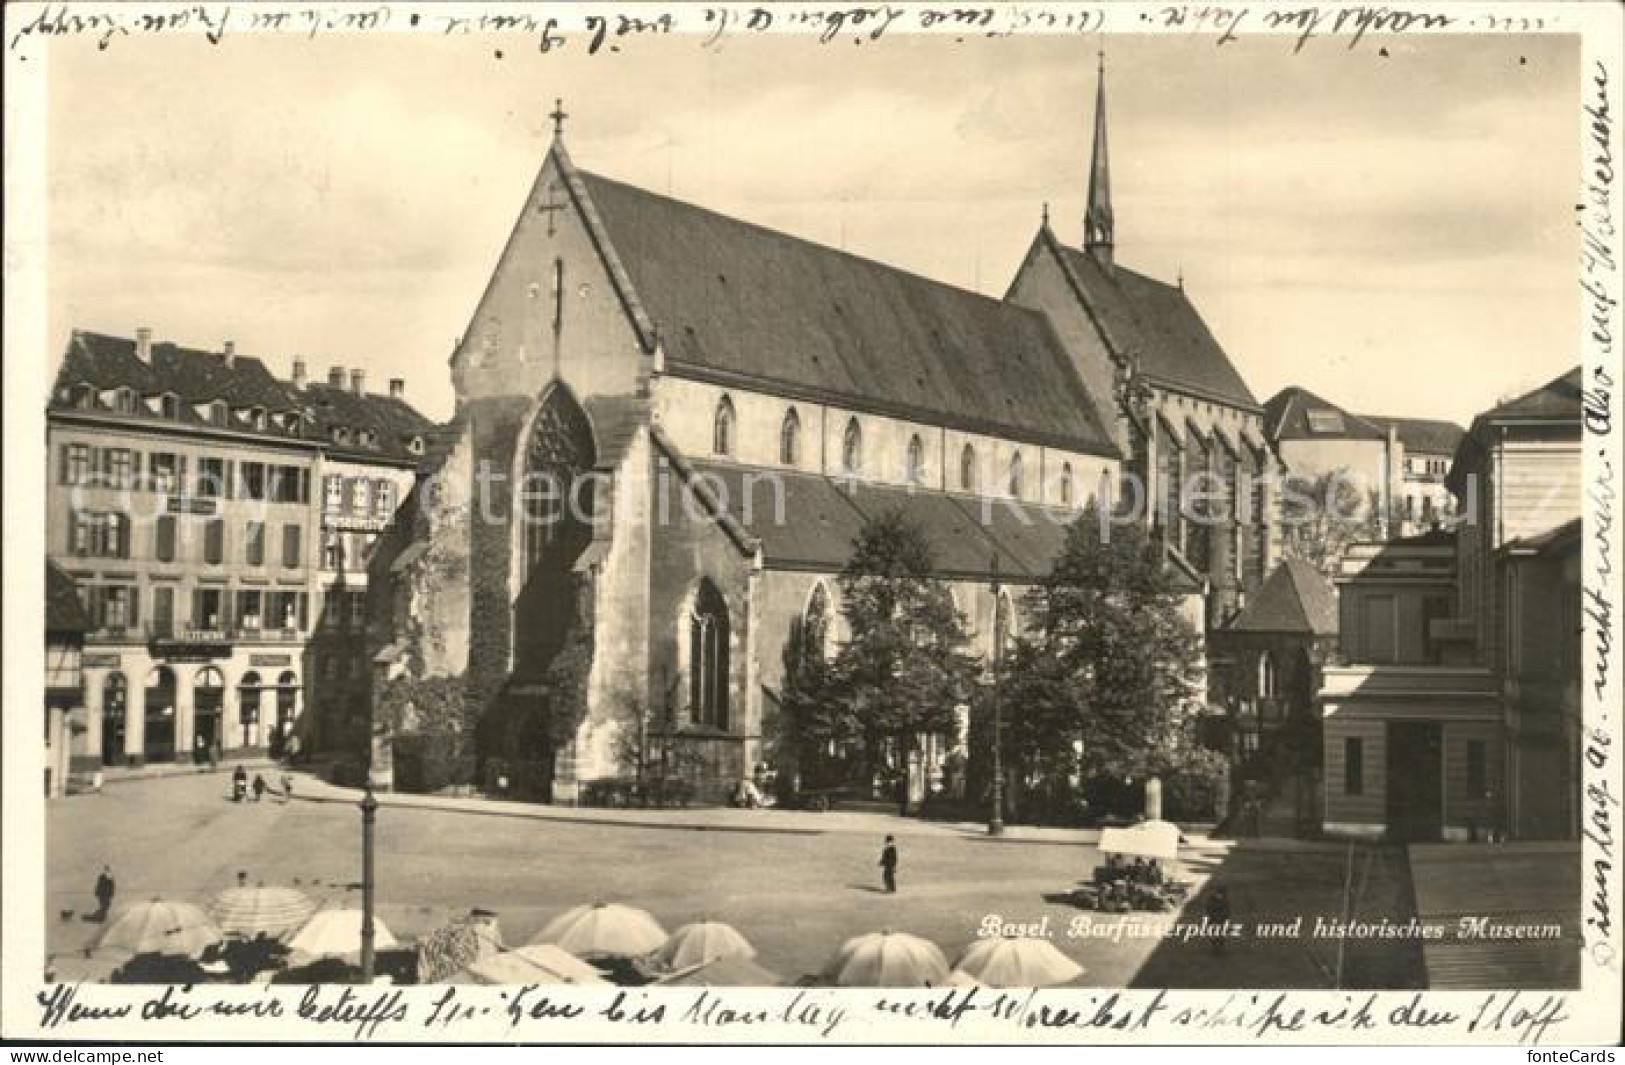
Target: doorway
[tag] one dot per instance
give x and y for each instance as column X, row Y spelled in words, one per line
column 1415, row 781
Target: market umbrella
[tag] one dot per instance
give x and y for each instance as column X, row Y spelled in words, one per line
column 604, row 928
column 261, row 910
column 539, row 963
column 1017, row 962
column 887, row 959
column 337, row 932
column 158, row 927
column 703, row 941
column 731, row 971
column 1148, row 839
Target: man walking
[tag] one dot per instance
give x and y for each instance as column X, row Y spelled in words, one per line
column 104, row 894
column 888, row 865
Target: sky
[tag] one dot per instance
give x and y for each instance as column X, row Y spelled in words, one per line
column 1395, row 232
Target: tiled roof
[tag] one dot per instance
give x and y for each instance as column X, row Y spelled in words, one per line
column 1295, row 598
column 196, row 377
column 1557, row 398
column 64, row 612
column 394, row 423
column 1422, row 434
column 737, row 302
column 1157, row 324
column 804, row 519
column 1287, row 416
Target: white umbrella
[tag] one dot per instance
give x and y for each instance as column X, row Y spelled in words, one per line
column 723, row 972
column 605, row 929
column 251, row 911
column 539, row 963
column 701, row 942
column 1148, row 839
column 1017, row 962
column 887, row 959
column 337, row 933
column 158, row 927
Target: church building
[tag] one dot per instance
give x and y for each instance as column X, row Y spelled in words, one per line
column 671, row 424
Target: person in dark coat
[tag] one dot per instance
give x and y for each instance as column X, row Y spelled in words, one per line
column 239, row 784
column 888, row 865
column 259, row 787
column 104, row 894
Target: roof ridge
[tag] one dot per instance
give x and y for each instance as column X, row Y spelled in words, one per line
column 760, row 227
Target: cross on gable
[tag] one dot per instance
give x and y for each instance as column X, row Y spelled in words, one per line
column 552, row 204
column 558, row 116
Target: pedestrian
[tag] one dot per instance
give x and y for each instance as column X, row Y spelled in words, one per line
column 1218, row 915
column 287, row 788
column 239, row 784
column 259, row 787
column 214, row 756
column 200, row 753
column 292, row 748
column 104, row 894
column 888, row 865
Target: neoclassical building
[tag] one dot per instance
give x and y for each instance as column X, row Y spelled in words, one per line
column 671, row 424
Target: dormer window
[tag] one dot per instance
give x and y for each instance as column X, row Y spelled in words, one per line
column 256, row 418
column 169, row 405
column 124, row 401
column 219, row 413
column 341, row 434
column 415, row 445
column 367, row 438
column 84, row 397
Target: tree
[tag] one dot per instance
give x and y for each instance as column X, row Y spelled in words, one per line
column 1100, row 681
column 1321, row 517
column 904, row 669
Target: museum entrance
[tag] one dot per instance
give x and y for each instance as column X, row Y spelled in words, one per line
column 1415, row 781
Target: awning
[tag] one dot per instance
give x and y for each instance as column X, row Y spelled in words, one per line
column 1148, row 839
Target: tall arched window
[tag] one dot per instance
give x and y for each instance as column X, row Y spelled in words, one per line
column 208, row 704
column 852, row 448
column 815, row 625
column 1266, row 676
column 248, row 707
column 158, row 715
column 967, row 469
column 722, row 428
column 1015, row 482
column 708, row 658
column 915, row 473
column 1066, row 484
column 287, row 708
column 790, row 439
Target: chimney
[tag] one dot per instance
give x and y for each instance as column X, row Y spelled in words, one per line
column 143, row 344
column 397, row 388
column 299, row 373
column 358, row 381
column 335, row 377
column 228, row 351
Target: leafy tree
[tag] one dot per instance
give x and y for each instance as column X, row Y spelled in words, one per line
column 1322, row 516
column 1099, row 682
column 904, row 669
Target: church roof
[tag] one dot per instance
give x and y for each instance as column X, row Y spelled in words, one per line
column 1158, row 324
column 738, row 303
column 805, row 520
column 1295, row 598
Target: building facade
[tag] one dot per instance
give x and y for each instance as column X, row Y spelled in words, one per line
column 1397, row 465
column 671, row 426
column 65, row 626
column 1454, row 712
column 182, row 504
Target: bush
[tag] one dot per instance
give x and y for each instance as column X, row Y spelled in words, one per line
column 425, row 763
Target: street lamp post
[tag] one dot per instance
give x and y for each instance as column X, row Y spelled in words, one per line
column 369, row 814
column 995, row 823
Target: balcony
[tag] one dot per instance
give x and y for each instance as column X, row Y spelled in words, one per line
column 170, row 632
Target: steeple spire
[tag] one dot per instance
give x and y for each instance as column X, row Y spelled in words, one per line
column 1097, row 216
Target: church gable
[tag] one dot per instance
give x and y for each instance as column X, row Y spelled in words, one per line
column 556, row 304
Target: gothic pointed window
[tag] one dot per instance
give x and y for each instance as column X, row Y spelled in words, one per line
column 722, row 428
column 708, row 658
column 916, row 461
column 1015, row 479
column 852, row 449
column 815, row 625
column 556, row 508
column 967, row 469
column 790, row 439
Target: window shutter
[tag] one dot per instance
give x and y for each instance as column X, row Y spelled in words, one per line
column 135, row 604
column 290, row 546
